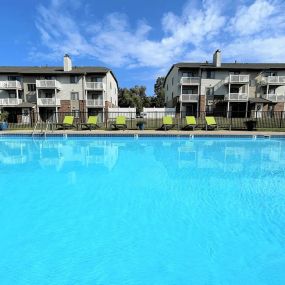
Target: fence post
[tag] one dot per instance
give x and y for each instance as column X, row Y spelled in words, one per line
column 280, row 126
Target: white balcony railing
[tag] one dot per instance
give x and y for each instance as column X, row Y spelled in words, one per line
column 190, row 81
column 48, row 84
column 48, row 102
column 274, row 97
column 273, row 80
column 236, row 97
column 10, row 84
column 238, row 78
column 94, row 103
column 189, row 98
column 94, row 86
column 10, row 101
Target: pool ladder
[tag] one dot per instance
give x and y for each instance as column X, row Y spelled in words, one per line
column 42, row 132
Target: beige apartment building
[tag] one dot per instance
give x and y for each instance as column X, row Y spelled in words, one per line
column 232, row 88
column 49, row 90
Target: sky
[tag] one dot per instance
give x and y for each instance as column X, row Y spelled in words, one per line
column 140, row 40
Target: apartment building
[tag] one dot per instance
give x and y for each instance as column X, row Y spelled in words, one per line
column 49, row 90
column 237, row 88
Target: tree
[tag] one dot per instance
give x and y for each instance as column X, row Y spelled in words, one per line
column 159, row 94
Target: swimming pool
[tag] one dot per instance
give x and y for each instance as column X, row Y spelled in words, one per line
column 142, row 211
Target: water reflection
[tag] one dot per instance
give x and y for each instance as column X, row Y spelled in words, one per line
column 188, row 156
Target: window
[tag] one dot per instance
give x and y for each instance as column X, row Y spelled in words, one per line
column 210, row 74
column 12, row 95
column 76, row 113
column 172, row 80
column 96, row 79
column 187, row 74
column 49, row 95
column 73, row 79
column 172, row 95
column 210, row 91
column 74, row 96
column 167, row 87
column 47, row 77
column 31, row 87
column 14, row 78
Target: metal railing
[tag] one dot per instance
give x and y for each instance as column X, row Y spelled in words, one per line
column 10, row 101
column 190, row 80
column 238, row 78
column 94, row 103
column 274, row 97
column 189, row 98
column 233, row 120
column 46, row 84
column 236, row 97
column 94, row 86
column 10, row 84
column 48, row 102
column 273, row 80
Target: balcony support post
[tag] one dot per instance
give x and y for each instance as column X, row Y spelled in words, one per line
column 180, row 99
column 267, row 90
column 228, row 109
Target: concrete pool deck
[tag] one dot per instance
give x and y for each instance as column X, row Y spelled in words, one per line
column 145, row 133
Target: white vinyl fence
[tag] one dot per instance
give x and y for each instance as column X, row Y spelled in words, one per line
column 129, row 113
column 158, row 113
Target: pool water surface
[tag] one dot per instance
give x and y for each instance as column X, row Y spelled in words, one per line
column 147, row 211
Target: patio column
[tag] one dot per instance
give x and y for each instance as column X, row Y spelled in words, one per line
column 180, row 99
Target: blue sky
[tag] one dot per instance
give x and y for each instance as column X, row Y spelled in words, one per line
column 140, row 40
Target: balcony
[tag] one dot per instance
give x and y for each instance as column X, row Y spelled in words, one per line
column 237, row 79
column 190, row 81
column 274, row 97
column 48, row 84
column 274, row 80
column 48, row 102
column 94, row 86
column 10, row 84
column 10, row 101
column 184, row 98
column 94, row 103
column 236, row 97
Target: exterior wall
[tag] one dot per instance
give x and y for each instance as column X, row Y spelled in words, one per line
column 111, row 90
column 65, row 90
column 171, row 88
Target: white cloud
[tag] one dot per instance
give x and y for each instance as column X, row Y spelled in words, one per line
column 255, row 32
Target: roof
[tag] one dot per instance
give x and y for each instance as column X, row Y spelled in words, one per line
column 52, row 70
column 258, row 66
column 245, row 66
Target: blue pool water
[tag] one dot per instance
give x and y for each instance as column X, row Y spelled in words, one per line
column 147, row 211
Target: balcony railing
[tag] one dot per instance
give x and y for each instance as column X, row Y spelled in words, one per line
column 48, row 102
column 94, row 103
column 240, row 78
column 236, row 97
column 190, row 81
column 280, row 80
column 94, row 86
column 10, row 84
column 48, row 84
column 189, row 98
column 274, row 97
column 10, row 101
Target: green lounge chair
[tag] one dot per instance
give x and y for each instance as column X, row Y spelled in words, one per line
column 190, row 122
column 120, row 123
column 211, row 123
column 91, row 123
column 67, row 123
column 167, row 123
